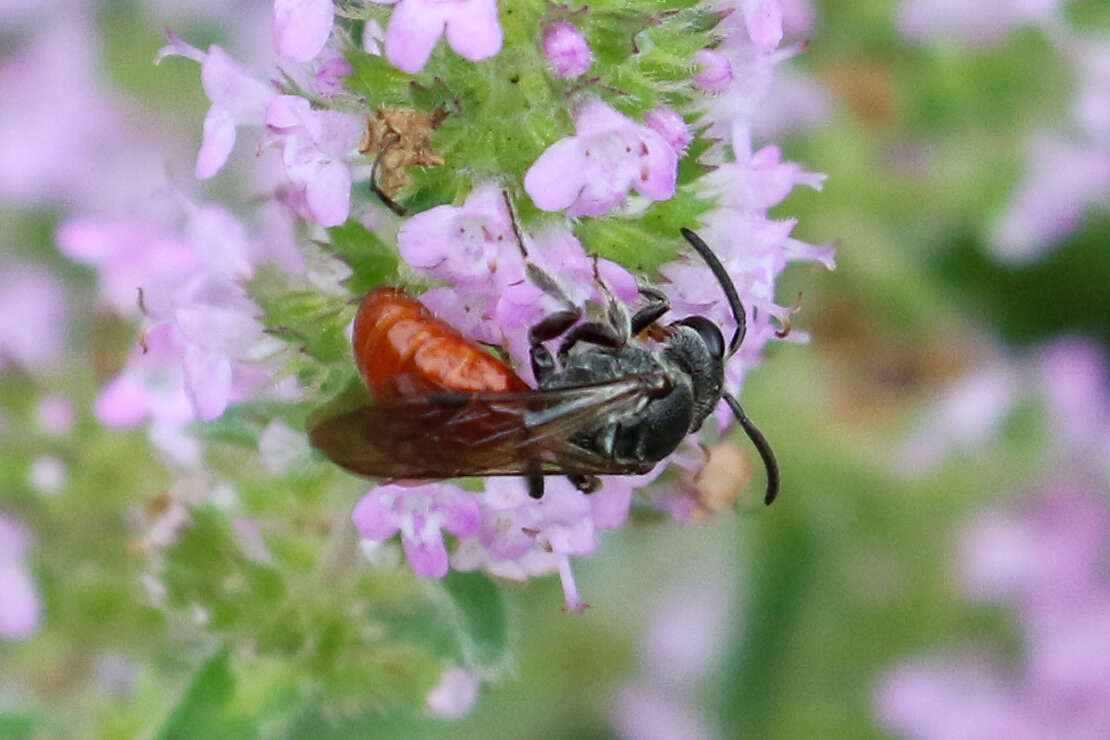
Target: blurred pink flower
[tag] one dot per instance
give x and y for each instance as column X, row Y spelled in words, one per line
column 302, row 27
column 55, row 416
column 472, row 29
column 679, row 647
column 977, row 24
column 591, row 173
column 566, row 50
column 67, row 139
column 1075, row 380
column 32, row 316
column 1045, row 561
column 203, row 346
column 19, row 601
column 1064, row 179
column 962, row 417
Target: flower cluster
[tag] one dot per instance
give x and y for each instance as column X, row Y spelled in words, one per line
column 182, row 269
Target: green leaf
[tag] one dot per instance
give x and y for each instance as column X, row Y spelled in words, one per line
column 373, row 261
column 483, row 624
column 378, row 81
column 202, row 702
column 302, row 316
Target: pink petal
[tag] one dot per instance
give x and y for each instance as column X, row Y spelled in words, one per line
column 620, row 281
column 461, row 516
column 412, row 34
column 670, row 125
column 764, row 21
column 425, row 238
column 610, row 505
column 658, row 167
column 178, row 47
column 427, row 558
column 207, row 381
column 372, row 517
column 595, row 117
column 572, row 602
column 554, row 181
column 473, row 30
column 329, row 193
column 219, row 139
column 302, row 27
column 287, row 111
column 228, row 84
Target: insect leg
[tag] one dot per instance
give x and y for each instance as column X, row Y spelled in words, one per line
column 585, row 483
column 613, row 335
column 551, row 326
column 535, row 485
column 658, row 304
column 592, row 332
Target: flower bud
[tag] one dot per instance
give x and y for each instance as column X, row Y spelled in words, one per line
column 716, row 73
column 566, row 50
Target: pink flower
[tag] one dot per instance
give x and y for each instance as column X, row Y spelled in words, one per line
column 314, row 145
column 238, row 98
column 591, row 173
column 757, row 180
column 302, row 27
column 19, row 602
column 472, row 30
column 566, row 50
column 420, row 513
column 464, row 245
column 963, row 417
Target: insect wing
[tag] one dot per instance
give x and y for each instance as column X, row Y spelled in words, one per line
column 449, row 435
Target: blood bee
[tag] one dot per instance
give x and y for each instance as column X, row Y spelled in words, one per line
column 607, row 402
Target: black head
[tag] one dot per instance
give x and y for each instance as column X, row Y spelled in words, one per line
column 711, row 346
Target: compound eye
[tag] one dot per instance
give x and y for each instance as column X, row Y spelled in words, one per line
column 708, row 332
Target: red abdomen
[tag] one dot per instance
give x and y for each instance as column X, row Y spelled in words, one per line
column 402, row 349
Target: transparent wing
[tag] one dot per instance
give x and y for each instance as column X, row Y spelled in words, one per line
column 450, row 435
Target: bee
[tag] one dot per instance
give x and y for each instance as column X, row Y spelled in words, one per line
column 608, row 402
